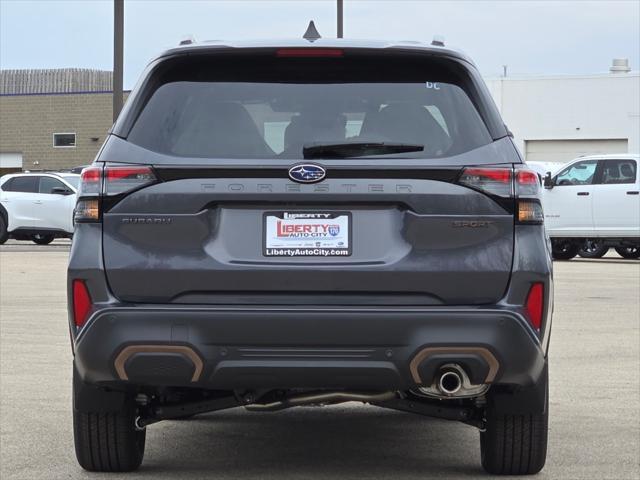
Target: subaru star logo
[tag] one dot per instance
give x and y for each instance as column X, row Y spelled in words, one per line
column 307, row 173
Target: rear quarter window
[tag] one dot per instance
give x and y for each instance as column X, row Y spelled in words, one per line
column 21, row 184
column 272, row 108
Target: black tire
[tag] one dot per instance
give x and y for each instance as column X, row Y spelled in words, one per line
column 4, row 234
column 108, row 442
column 515, row 444
column 628, row 252
column 564, row 249
column 593, row 248
column 42, row 239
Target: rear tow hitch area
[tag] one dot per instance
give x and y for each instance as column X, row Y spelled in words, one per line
column 152, row 410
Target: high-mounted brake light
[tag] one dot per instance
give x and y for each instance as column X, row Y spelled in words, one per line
column 81, row 303
column 310, row 52
column 535, row 305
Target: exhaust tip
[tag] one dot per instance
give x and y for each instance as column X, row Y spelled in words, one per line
column 450, row 382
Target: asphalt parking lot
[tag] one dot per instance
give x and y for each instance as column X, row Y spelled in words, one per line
column 595, row 397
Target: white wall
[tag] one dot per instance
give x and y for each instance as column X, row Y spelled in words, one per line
column 593, row 107
column 10, row 160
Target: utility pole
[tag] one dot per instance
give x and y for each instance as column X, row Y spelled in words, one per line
column 118, row 43
column 340, row 19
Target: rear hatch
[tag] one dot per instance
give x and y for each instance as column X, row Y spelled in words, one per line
column 307, row 176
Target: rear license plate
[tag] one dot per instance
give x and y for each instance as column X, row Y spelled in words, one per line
column 307, row 234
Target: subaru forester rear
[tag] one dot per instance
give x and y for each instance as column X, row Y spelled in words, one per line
column 275, row 225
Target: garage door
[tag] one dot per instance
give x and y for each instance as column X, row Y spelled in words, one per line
column 10, row 162
column 562, row 151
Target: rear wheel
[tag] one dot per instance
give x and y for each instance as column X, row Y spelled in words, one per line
column 108, row 441
column 564, row 249
column 42, row 239
column 4, row 234
column 593, row 248
column 514, row 444
column 628, row 252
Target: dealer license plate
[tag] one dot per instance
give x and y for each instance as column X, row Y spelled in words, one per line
column 307, row 234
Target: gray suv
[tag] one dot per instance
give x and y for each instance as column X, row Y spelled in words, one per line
column 276, row 225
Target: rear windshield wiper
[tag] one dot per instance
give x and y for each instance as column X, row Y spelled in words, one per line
column 357, row 149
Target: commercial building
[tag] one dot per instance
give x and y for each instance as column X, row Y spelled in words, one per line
column 561, row 117
column 55, row 119
column 52, row 119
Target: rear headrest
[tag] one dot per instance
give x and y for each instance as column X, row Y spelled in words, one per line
column 222, row 129
column 406, row 123
column 309, row 128
column 627, row 170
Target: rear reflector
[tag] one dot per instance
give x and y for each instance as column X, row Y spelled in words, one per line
column 535, row 305
column 310, row 52
column 496, row 181
column 81, row 303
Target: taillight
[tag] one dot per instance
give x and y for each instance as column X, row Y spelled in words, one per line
column 81, row 303
column 99, row 182
column 527, row 182
column 527, row 188
column 495, row 181
column 521, row 184
column 90, row 181
column 123, row 179
column 535, row 305
column 87, row 210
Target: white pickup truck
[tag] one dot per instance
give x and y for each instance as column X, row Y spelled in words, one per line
column 593, row 203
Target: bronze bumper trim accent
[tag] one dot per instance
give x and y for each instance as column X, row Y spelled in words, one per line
column 126, row 352
column 427, row 352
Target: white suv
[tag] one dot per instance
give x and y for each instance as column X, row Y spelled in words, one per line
column 37, row 206
column 593, row 203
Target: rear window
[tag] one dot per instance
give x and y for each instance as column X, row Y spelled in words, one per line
column 272, row 108
column 618, row 171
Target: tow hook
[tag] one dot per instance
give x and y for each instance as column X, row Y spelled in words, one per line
column 139, row 425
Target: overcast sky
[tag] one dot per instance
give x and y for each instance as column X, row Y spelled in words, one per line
column 531, row 37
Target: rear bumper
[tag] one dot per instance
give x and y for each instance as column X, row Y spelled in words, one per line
column 383, row 348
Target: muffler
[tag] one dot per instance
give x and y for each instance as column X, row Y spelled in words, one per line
column 320, row 398
column 450, row 382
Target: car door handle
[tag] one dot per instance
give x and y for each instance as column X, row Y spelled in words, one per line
column 633, row 192
column 38, row 202
column 583, row 193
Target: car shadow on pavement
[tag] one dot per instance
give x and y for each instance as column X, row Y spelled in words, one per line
column 340, row 442
column 607, row 260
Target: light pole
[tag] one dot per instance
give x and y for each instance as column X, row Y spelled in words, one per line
column 340, row 19
column 118, row 42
